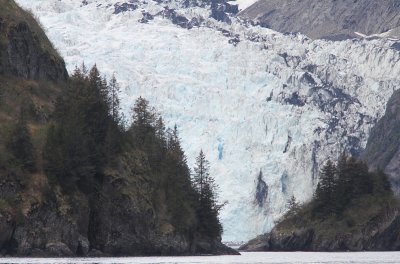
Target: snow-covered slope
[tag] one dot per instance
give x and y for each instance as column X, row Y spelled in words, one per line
column 253, row 99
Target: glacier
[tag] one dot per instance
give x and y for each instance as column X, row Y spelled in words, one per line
column 253, row 99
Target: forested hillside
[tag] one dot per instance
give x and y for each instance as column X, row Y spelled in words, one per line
column 352, row 209
column 77, row 177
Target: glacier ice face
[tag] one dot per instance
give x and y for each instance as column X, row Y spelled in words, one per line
column 253, row 99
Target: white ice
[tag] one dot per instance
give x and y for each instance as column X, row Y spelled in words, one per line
column 217, row 94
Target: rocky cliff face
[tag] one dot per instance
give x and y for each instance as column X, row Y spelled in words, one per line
column 38, row 218
column 328, row 18
column 25, row 50
column 252, row 98
column 380, row 232
column 383, row 147
column 117, row 221
column 382, row 235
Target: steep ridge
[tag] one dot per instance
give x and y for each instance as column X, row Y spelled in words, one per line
column 25, row 50
column 32, row 76
column 375, row 236
column 329, row 19
column 382, row 150
column 377, row 220
column 353, row 209
column 123, row 211
column 252, row 98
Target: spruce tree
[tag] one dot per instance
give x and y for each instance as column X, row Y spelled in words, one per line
column 293, row 206
column 325, row 199
column 201, row 175
column 208, row 209
column 381, row 183
column 20, row 144
column 113, row 93
column 142, row 128
column 142, row 114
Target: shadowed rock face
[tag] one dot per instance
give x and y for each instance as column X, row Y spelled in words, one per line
column 330, row 19
column 37, row 218
column 374, row 237
column 383, row 147
column 26, row 58
column 261, row 191
column 25, row 50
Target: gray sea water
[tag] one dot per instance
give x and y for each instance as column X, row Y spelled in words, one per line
column 245, row 258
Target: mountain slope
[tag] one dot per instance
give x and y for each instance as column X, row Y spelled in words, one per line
column 253, row 99
column 382, row 150
column 73, row 180
column 353, row 209
column 328, row 19
column 25, row 50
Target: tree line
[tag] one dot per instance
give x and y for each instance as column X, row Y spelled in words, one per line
column 345, row 181
column 88, row 134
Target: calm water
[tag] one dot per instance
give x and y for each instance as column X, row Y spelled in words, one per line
column 245, row 258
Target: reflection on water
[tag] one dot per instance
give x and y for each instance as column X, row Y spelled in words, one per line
column 245, row 258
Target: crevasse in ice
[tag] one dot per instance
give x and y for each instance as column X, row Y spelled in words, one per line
column 276, row 103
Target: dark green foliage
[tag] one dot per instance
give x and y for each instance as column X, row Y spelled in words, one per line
column 88, row 136
column 293, row 207
column 340, row 185
column 180, row 196
column 206, row 188
column 85, row 137
column 381, row 184
column 325, row 192
column 1, row 93
column 167, row 162
column 349, row 200
column 20, row 144
column 113, row 98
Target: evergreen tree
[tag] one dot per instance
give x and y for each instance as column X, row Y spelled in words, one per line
column 293, row 207
column 80, row 142
column 20, row 144
column 381, row 184
column 344, row 184
column 114, row 90
column 341, row 184
column 180, row 195
column 142, row 128
column 161, row 132
column 208, row 209
column 201, row 175
column 324, row 195
column 143, row 114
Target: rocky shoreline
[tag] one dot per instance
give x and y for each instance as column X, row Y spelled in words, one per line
column 382, row 237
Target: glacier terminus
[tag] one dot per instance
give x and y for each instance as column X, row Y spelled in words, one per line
column 253, row 99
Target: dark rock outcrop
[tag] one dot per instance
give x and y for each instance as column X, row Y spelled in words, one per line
column 221, row 11
column 116, row 221
column 25, row 51
column 334, row 20
column 374, row 237
column 124, row 7
column 179, row 19
column 38, row 217
column 261, row 191
column 383, row 147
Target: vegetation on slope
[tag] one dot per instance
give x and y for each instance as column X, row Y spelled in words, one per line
column 12, row 15
column 75, row 178
column 382, row 149
column 88, row 138
column 352, row 208
column 348, row 198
